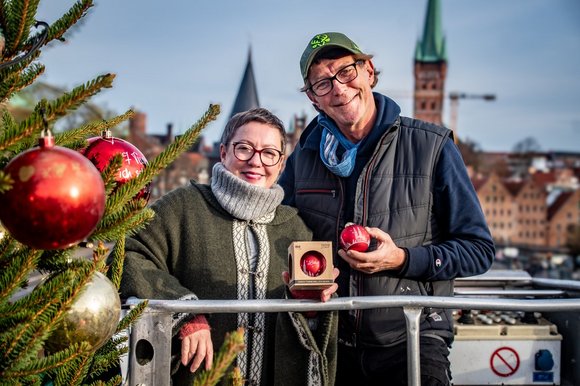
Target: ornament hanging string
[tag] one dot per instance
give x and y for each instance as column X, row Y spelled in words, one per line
column 46, row 137
column 40, row 39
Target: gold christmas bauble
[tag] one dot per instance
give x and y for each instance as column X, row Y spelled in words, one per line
column 93, row 316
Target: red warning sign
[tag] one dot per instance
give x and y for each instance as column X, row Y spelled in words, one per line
column 504, row 361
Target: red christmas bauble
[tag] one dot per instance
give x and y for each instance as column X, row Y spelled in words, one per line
column 354, row 237
column 57, row 198
column 312, row 263
column 101, row 149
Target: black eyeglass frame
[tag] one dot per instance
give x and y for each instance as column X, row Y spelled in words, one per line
column 254, row 151
column 335, row 77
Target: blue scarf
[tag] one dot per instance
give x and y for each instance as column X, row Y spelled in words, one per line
column 331, row 138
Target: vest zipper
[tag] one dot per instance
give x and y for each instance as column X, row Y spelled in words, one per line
column 331, row 192
column 366, row 183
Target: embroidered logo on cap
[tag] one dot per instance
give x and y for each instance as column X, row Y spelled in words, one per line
column 319, row 41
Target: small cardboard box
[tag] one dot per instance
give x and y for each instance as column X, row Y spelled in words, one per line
column 304, row 275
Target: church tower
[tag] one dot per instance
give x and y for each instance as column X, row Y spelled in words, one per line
column 430, row 68
column 247, row 97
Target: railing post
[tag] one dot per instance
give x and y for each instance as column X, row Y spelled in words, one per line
column 412, row 317
column 150, row 349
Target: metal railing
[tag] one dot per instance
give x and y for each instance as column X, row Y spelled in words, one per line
column 150, row 336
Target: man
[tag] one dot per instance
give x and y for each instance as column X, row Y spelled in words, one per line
column 360, row 161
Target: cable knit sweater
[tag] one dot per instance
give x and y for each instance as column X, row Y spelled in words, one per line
column 188, row 249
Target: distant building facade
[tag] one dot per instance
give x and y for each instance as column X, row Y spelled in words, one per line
column 192, row 164
column 541, row 211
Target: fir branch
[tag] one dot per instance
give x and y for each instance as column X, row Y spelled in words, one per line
column 55, row 260
column 34, row 123
column 68, row 20
column 19, row 266
column 28, row 75
column 70, row 283
column 90, row 129
column 236, row 378
column 8, row 121
column 2, row 15
column 20, row 18
column 232, row 346
column 7, row 245
column 54, row 109
column 73, row 373
column 100, row 253
column 12, row 317
column 110, row 172
column 79, row 372
column 104, row 361
column 8, row 86
column 78, row 95
column 112, row 344
column 131, row 316
column 124, row 192
column 8, row 124
column 115, row 381
column 117, row 258
column 50, row 362
column 159, row 163
column 6, row 181
column 128, row 221
column 19, row 76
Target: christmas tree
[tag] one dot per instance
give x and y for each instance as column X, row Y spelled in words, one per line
column 51, row 204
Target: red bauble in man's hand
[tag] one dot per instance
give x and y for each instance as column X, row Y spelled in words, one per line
column 355, row 237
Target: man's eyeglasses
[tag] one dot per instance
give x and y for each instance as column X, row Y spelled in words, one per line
column 344, row 75
column 244, row 152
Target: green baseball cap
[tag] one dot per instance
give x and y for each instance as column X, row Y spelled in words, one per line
column 323, row 41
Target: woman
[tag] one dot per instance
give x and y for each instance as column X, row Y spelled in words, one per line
column 229, row 240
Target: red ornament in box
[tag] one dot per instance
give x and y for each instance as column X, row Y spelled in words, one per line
column 57, row 198
column 100, row 151
column 312, row 263
column 355, row 237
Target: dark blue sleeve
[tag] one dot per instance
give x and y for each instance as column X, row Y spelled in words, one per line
column 286, row 181
column 465, row 246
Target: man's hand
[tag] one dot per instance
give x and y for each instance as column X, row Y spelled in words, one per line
column 387, row 256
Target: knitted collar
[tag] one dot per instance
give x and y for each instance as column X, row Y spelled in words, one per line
column 242, row 199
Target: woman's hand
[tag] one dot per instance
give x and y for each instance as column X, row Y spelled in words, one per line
column 196, row 343
column 324, row 295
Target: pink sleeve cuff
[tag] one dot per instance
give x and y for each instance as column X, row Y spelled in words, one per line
column 196, row 324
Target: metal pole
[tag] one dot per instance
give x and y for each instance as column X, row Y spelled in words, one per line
column 412, row 316
column 150, row 350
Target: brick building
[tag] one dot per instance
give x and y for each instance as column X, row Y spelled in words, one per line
column 530, row 213
column 536, row 212
column 192, row 164
column 498, row 206
column 563, row 218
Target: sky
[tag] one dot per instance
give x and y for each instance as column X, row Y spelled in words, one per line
column 172, row 59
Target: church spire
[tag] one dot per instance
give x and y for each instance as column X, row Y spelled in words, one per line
column 430, row 68
column 247, row 97
column 432, row 46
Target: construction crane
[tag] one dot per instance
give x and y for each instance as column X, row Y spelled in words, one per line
column 454, row 98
